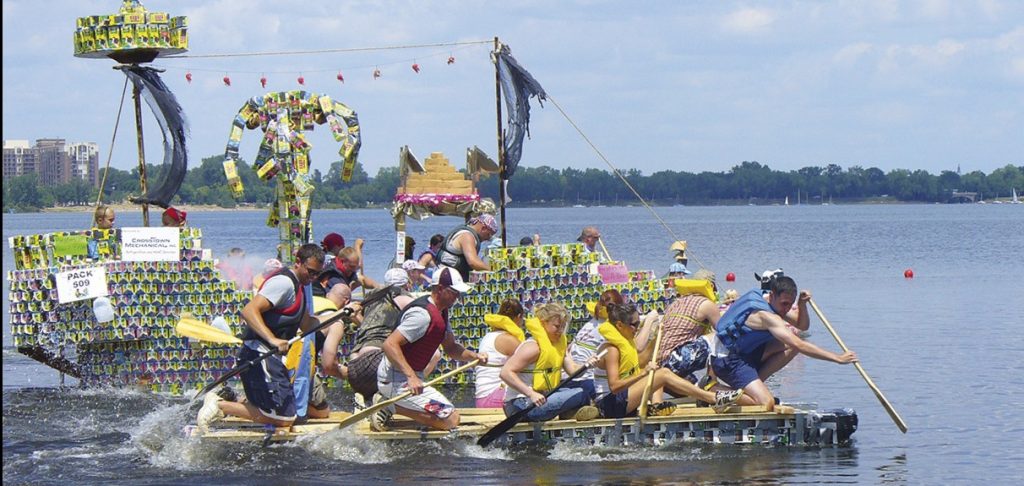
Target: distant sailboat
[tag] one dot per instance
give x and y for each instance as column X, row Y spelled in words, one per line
column 787, row 201
column 1015, row 200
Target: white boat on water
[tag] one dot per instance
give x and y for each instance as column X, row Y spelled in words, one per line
column 787, row 201
column 1015, row 200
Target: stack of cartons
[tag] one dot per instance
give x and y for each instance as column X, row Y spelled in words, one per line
column 438, row 178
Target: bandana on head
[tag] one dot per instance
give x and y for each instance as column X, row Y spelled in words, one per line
column 487, row 220
column 176, row 214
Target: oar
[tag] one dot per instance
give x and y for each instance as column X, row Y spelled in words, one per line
column 604, row 249
column 878, row 393
column 517, row 417
column 191, row 327
column 357, row 417
column 650, row 379
column 249, row 364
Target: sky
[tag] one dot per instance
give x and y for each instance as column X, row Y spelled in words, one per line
column 654, row 85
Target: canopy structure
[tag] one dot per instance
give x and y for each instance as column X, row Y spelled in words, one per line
column 435, row 188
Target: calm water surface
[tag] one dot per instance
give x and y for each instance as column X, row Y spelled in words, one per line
column 944, row 347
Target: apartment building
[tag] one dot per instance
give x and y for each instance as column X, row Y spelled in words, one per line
column 53, row 159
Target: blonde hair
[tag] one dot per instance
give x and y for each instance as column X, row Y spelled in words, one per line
column 101, row 213
column 552, row 310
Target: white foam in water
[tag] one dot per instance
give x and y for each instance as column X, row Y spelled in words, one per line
column 563, row 451
column 160, row 438
column 345, row 445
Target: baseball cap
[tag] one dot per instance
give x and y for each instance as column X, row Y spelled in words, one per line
column 176, row 214
column 449, row 277
column 410, row 265
column 396, row 276
column 333, row 240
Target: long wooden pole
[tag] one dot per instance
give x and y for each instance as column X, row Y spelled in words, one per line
column 137, row 95
column 502, row 176
column 878, row 393
column 650, row 378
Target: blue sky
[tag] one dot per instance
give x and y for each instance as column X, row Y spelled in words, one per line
column 678, row 85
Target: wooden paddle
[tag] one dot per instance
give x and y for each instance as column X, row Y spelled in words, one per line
column 878, row 393
column 517, row 417
column 191, row 327
column 359, row 416
column 650, row 378
column 605, row 250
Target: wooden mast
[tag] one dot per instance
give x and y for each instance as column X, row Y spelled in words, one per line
column 137, row 96
column 502, row 176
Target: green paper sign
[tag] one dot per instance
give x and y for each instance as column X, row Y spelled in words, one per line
column 71, row 245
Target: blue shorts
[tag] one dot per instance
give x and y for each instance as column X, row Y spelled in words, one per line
column 738, row 370
column 267, row 385
column 688, row 358
column 615, row 405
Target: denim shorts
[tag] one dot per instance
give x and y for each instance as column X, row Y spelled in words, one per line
column 738, row 370
column 615, row 405
column 267, row 385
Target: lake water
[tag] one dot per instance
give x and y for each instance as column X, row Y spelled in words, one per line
column 944, row 347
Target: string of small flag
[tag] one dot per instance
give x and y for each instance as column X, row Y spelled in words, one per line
column 376, row 72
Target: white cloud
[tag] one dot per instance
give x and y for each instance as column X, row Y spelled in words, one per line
column 850, row 54
column 748, row 20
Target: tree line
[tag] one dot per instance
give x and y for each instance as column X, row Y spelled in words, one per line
column 748, row 182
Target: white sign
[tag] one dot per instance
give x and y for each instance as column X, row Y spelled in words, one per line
column 400, row 248
column 81, row 284
column 150, row 244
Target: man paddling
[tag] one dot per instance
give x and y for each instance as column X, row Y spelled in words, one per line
column 753, row 340
column 422, row 327
column 273, row 316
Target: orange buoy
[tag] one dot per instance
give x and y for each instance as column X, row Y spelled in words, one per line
column 730, row 277
column 908, row 273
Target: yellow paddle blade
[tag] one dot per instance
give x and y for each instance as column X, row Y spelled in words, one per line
column 191, row 327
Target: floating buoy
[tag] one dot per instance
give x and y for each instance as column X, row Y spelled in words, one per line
column 908, row 273
column 730, row 277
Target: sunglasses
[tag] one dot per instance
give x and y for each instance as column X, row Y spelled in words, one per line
column 312, row 273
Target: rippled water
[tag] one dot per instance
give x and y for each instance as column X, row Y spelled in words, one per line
column 944, row 347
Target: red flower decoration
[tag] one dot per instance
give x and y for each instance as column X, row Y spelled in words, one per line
column 188, row 77
column 451, row 59
column 263, row 81
column 301, row 80
column 227, row 81
column 340, row 77
column 376, row 73
column 416, row 67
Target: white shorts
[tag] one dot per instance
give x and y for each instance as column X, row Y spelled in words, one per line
column 430, row 401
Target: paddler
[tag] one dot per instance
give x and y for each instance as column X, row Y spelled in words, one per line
column 503, row 339
column 423, row 326
column 584, row 346
column 536, row 368
column 753, row 340
column 626, row 369
column 273, row 316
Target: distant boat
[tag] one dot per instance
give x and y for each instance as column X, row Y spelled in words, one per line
column 578, row 206
column 1015, row 200
column 787, row 201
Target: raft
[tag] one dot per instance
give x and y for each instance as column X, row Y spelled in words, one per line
column 790, row 424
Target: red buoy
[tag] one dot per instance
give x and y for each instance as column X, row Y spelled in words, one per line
column 730, row 277
column 908, row 273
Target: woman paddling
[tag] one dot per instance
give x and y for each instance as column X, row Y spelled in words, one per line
column 499, row 344
column 584, row 346
column 536, row 367
column 625, row 377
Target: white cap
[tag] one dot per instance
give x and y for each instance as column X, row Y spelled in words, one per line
column 396, row 276
column 449, row 277
column 410, row 265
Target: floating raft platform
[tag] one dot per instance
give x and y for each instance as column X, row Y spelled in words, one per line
column 786, row 425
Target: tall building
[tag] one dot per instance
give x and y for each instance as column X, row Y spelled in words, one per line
column 19, row 158
column 53, row 159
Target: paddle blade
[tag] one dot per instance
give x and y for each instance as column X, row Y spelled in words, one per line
column 504, row 426
column 191, row 327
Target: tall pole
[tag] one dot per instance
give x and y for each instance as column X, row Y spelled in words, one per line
column 137, row 95
column 502, row 176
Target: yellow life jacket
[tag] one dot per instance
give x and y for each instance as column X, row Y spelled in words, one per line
column 629, row 359
column 499, row 322
column 600, row 315
column 295, row 356
column 702, row 287
column 547, row 371
column 323, row 304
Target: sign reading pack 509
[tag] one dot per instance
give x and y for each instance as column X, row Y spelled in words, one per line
column 81, row 284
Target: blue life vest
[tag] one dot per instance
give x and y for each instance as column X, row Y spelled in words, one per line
column 732, row 328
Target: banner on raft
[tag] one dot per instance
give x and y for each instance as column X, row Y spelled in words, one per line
column 150, row 244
